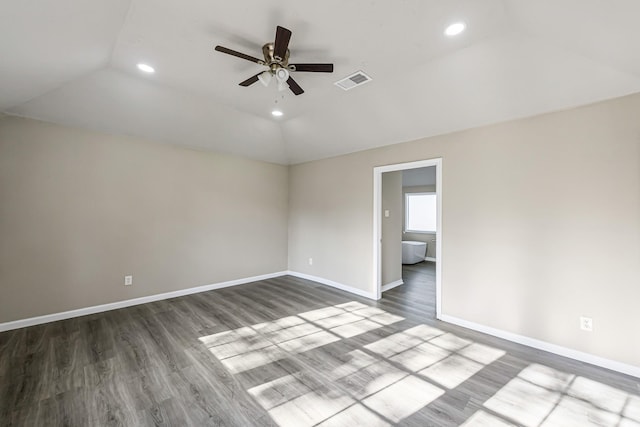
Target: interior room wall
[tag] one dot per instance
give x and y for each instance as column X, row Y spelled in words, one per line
column 391, row 253
column 80, row 210
column 521, row 203
column 428, row 238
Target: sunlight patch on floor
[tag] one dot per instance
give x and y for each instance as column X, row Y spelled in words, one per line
column 338, row 320
column 355, row 415
column 310, row 408
column 632, row 409
column 481, row 353
column 542, row 396
column 227, row 336
column 523, row 401
column 442, row 357
column 381, row 383
column 420, row 356
column 276, row 325
column 322, row 313
column 309, row 342
column 393, row 344
column 403, row 398
column 383, row 391
column 355, row 361
column 450, row 342
column 252, row 346
column 371, row 379
column 294, row 332
column 452, row 371
column 424, row 332
column 241, row 345
column 355, row 328
column 575, row 412
column 484, row 419
column 367, row 388
column 390, row 379
column 254, row 359
column 279, row 391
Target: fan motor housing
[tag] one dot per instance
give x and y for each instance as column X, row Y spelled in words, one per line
column 272, row 62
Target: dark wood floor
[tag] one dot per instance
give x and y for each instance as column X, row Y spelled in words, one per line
column 290, row 352
column 418, row 290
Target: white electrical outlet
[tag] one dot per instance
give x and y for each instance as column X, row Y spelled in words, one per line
column 128, row 280
column 310, row 261
column 586, row 323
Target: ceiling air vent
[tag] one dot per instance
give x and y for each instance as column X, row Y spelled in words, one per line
column 356, row 79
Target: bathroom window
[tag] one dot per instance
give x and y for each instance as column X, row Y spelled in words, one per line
column 420, row 212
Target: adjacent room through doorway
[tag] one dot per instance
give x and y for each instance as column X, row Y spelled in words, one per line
column 406, row 232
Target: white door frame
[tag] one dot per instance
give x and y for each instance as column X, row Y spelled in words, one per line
column 377, row 223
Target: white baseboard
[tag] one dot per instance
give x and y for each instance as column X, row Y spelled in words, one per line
column 392, row 285
column 427, row 258
column 333, row 284
column 22, row 323
column 546, row 346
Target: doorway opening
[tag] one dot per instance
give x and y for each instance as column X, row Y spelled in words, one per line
column 423, row 196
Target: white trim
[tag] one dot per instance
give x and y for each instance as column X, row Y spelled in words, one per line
column 377, row 223
column 377, row 233
column 333, row 284
column 392, row 285
column 428, row 258
column 546, row 346
column 22, row 323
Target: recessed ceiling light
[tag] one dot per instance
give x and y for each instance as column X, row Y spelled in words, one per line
column 146, row 68
column 277, row 113
column 455, row 29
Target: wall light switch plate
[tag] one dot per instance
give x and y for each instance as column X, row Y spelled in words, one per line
column 386, row 213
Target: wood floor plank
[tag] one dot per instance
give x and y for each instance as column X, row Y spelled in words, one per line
column 290, row 352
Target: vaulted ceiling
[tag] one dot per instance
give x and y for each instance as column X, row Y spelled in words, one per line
column 74, row 62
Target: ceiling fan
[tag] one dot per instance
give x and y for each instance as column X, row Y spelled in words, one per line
column 276, row 58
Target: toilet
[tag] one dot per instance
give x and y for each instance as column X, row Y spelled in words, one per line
column 413, row 252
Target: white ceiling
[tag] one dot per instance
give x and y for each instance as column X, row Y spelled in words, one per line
column 74, row 62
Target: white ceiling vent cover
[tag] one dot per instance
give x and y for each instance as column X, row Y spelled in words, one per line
column 356, row 79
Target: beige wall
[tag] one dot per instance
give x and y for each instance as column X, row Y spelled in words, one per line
column 391, row 253
column 80, row 210
column 521, row 204
column 429, row 238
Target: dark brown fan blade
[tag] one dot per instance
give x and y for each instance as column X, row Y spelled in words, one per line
column 295, row 87
column 251, row 80
column 282, row 42
column 315, row 68
column 239, row 55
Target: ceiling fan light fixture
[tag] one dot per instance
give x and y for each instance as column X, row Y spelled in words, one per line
column 455, row 29
column 277, row 113
column 282, row 75
column 265, row 78
column 276, row 59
